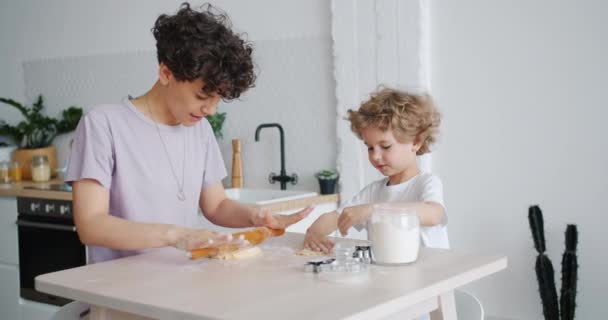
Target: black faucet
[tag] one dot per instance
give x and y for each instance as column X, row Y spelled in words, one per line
column 283, row 178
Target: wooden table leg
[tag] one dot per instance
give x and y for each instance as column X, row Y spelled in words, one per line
column 447, row 307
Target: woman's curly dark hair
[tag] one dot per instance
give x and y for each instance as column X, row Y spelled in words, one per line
column 201, row 45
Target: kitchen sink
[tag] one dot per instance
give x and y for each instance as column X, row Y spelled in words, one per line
column 266, row 196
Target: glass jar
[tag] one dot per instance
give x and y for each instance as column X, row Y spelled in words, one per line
column 5, row 176
column 41, row 169
column 15, row 171
column 395, row 235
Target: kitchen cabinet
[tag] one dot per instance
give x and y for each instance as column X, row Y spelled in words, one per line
column 8, row 231
column 11, row 305
column 9, row 259
column 31, row 310
column 9, row 292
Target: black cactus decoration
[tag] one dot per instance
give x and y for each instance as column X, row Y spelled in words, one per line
column 544, row 267
column 545, row 272
column 569, row 274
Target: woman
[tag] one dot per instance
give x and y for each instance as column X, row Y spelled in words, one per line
column 140, row 169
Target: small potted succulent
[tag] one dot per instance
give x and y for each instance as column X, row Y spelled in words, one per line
column 327, row 181
column 35, row 134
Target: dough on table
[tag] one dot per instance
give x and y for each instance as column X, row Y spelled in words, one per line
column 310, row 253
column 243, row 253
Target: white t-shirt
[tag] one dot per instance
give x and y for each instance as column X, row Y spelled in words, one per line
column 420, row 188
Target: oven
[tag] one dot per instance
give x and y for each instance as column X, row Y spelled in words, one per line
column 48, row 242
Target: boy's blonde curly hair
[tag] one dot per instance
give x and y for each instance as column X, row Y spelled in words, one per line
column 411, row 117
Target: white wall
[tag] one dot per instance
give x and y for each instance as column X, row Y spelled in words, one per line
column 380, row 42
column 71, row 49
column 522, row 88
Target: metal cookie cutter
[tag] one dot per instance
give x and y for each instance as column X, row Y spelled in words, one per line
column 315, row 266
column 349, row 259
column 363, row 253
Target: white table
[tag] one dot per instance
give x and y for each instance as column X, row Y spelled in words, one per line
column 166, row 285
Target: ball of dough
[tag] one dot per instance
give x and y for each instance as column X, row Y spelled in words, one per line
column 243, row 253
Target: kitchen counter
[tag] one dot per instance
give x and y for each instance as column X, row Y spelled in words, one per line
column 301, row 203
column 164, row 284
column 17, row 189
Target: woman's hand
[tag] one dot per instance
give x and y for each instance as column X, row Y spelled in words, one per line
column 353, row 215
column 316, row 241
column 265, row 218
column 189, row 239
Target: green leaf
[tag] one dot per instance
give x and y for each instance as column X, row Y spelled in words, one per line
column 217, row 121
column 327, row 174
column 17, row 105
column 69, row 119
column 38, row 130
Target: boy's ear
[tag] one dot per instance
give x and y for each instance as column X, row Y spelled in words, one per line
column 164, row 74
column 417, row 143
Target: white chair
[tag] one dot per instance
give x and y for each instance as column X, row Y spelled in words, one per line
column 74, row 310
column 468, row 307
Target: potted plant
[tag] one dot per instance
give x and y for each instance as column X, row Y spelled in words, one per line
column 35, row 134
column 327, row 181
column 217, row 121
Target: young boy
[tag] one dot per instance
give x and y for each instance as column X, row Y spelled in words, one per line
column 396, row 127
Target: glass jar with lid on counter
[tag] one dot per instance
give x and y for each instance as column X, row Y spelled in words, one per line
column 5, row 177
column 15, row 171
column 41, row 169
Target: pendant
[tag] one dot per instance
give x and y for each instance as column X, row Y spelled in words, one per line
column 181, row 196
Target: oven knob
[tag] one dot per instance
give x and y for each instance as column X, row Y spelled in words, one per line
column 34, row 206
column 48, row 208
column 64, row 209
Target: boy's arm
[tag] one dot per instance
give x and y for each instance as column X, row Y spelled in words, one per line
column 325, row 224
column 316, row 235
column 429, row 206
column 430, row 213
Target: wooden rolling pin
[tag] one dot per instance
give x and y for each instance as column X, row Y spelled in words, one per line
column 237, row 167
column 255, row 236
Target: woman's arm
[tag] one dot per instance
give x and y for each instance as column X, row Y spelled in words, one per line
column 229, row 213
column 97, row 227
column 225, row 212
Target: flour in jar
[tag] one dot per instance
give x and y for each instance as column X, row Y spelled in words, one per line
column 395, row 238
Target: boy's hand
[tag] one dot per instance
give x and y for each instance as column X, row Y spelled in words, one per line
column 317, row 242
column 353, row 215
column 265, row 218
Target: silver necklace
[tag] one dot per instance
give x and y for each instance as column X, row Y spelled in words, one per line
column 180, row 186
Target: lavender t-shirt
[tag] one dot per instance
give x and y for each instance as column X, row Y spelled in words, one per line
column 120, row 147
